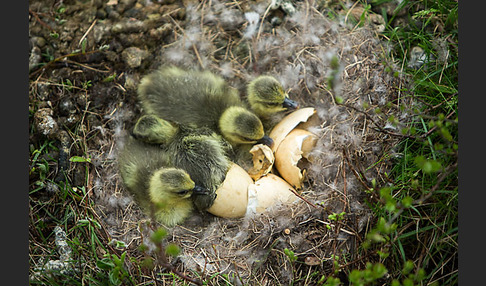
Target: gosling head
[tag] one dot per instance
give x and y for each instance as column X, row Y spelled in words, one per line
column 240, row 126
column 170, row 191
column 266, row 97
column 154, row 130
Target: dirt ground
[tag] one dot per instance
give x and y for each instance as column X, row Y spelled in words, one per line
column 87, row 58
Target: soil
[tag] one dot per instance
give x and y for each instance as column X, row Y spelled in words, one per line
column 87, row 58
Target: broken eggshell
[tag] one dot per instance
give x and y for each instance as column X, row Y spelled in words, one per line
column 288, row 123
column 263, row 160
column 232, row 196
column 296, row 145
column 239, row 195
column 269, row 191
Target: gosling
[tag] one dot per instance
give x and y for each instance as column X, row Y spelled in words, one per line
column 199, row 151
column 200, row 99
column 268, row 100
column 166, row 192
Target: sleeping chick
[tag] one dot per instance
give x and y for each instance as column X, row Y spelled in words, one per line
column 268, row 100
column 199, row 151
column 200, row 99
column 168, row 192
column 153, row 130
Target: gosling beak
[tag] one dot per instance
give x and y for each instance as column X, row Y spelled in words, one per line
column 266, row 140
column 198, row 190
column 290, row 104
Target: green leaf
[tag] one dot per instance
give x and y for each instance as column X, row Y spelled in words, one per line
column 105, row 264
column 332, row 281
column 355, row 276
column 158, row 235
column 382, row 254
column 83, row 222
column 96, row 224
column 385, row 193
column 114, row 277
column 407, row 282
column 407, row 267
column 120, row 244
column 143, row 247
column 427, row 166
column 172, row 249
column 446, row 134
column 290, row 254
column 407, row 201
column 334, row 63
column 78, row 159
column 391, row 205
column 110, row 78
column 83, row 45
column 147, row 263
column 339, row 100
column 379, row 270
column 117, row 261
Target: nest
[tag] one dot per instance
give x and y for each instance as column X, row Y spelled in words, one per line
column 241, row 40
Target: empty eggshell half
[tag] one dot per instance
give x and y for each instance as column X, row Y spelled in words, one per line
column 297, row 144
column 289, row 122
column 232, row 196
column 267, row 192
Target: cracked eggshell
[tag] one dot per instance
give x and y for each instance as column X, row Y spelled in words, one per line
column 269, row 191
column 263, row 160
column 296, row 145
column 232, row 196
column 288, row 123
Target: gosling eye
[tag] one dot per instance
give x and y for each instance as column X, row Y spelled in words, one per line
column 182, row 192
column 273, row 104
column 246, row 139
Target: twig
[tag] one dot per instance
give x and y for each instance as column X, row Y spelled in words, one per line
column 344, row 185
column 86, row 67
column 36, row 16
column 197, row 55
column 340, row 228
column 86, row 34
column 261, row 22
column 302, row 198
column 58, row 59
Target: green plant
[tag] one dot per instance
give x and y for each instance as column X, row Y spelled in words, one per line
column 421, row 203
column 290, row 255
column 371, row 274
column 117, row 273
column 417, row 201
column 40, row 164
column 336, row 216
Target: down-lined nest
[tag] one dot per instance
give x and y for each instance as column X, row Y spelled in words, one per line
column 240, row 40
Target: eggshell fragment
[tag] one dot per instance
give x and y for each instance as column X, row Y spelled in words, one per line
column 267, row 192
column 232, row 196
column 263, row 160
column 298, row 143
column 289, row 122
